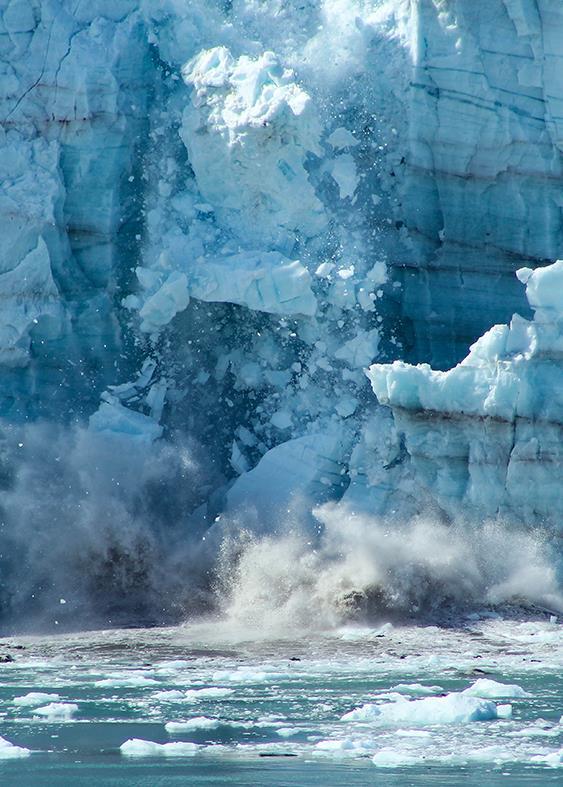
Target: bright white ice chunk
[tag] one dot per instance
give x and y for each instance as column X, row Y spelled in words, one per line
column 265, row 281
column 361, row 350
column 249, row 131
column 344, row 172
column 9, row 751
column 553, row 760
column 197, row 723
column 137, row 747
column 417, row 688
column 211, row 693
column 34, row 698
column 161, row 307
column 490, row 689
column 294, row 468
column 455, row 708
column 391, row 758
column 57, row 711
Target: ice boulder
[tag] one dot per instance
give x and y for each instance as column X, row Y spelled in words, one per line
column 249, row 130
column 491, row 689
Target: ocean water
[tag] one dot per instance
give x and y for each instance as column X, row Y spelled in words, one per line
column 247, row 710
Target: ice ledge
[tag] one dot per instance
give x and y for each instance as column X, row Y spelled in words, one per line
column 485, row 438
column 512, row 371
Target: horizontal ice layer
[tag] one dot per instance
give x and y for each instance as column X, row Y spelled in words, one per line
column 487, row 435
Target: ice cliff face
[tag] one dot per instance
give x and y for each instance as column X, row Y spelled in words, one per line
column 75, row 82
column 216, row 215
column 488, row 433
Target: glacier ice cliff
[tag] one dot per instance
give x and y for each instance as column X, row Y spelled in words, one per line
column 488, row 433
column 217, row 214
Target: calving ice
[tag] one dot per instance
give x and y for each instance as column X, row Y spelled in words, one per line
column 281, row 345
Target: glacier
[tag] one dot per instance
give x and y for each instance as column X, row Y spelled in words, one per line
column 261, row 257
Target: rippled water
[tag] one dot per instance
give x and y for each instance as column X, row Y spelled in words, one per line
column 270, row 712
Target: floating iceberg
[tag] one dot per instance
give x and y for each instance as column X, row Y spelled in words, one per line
column 455, row 708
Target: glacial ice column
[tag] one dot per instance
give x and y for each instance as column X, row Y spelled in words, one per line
column 483, row 185
column 486, row 437
column 73, row 89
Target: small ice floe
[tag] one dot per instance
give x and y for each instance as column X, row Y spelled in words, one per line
column 173, row 695
column 490, row 689
column 540, row 729
column 34, row 698
column 416, row 688
column 413, row 734
column 287, row 732
column 57, row 711
column 125, row 680
column 344, row 747
column 247, row 675
column 455, row 708
column 197, row 723
column 137, row 747
column 392, row 758
column 9, row 751
column 211, row 693
column 554, row 760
